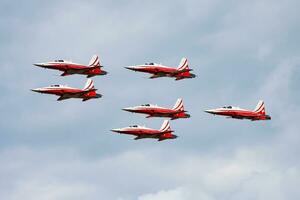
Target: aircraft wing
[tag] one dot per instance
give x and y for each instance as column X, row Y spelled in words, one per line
column 181, row 71
column 72, row 95
column 162, row 74
column 243, row 117
column 64, row 97
column 158, row 75
column 147, row 136
column 154, row 135
column 74, row 71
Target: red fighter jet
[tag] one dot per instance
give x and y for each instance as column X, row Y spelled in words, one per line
column 69, row 68
column 156, row 111
column 142, row 132
column 159, row 70
column 65, row 92
column 258, row 113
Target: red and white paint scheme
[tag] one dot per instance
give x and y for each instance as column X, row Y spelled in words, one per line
column 259, row 113
column 69, row 68
column 159, row 70
column 66, row 92
column 156, row 111
column 142, row 132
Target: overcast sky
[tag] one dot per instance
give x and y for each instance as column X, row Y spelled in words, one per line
column 241, row 51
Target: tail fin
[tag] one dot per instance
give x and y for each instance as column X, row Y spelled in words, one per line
column 94, row 62
column 89, row 85
column 165, row 127
column 179, row 105
column 260, row 108
column 183, row 65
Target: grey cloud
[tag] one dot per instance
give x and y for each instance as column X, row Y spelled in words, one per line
column 241, row 52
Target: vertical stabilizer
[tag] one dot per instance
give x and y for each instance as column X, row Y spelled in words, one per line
column 94, row 62
column 89, row 85
column 260, row 108
column 178, row 105
column 165, row 127
column 183, row 65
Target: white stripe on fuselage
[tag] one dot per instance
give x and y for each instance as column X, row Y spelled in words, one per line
column 145, row 107
column 55, row 88
column 147, row 66
column 229, row 109
column 135, row 128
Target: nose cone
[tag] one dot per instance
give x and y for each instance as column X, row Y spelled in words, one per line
column 128, row 109
column 268, row 117
column 39, row 64
column 36, row 90
column 174, row 136
column 131, row 68
column 116, row 130
column 210, row 111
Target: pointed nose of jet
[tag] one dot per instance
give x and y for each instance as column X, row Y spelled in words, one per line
column 127, row 109
column 187, row 115
column 116, row 130
column 130, row 68
column 174, row 137
column 210, row 111
column 36, row 90
column 39, row 64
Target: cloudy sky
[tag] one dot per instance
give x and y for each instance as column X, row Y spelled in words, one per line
column 241, row 51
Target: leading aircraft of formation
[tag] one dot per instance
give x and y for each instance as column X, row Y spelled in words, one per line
column 259, row 113
column 158, row 70
column 142, row 132
column 66, row 92
column 156, row 111
column 68, row 68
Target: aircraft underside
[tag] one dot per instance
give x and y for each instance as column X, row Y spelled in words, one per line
column 145, row 136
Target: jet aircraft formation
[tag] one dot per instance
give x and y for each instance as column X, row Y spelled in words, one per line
column 156, row 70
column 69, row 68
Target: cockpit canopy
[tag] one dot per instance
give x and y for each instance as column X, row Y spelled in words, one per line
column 59, row 61
column 149, row 63
column 55, row 85
column 228, row 107
column 134, row 126
column 146, row 104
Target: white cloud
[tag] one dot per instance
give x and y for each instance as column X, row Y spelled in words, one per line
column 176, row 194
column 252, row 172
